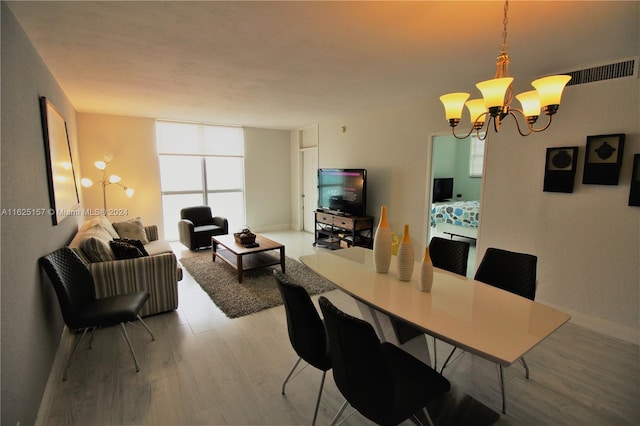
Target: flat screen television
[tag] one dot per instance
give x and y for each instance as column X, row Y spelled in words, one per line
column 343, row 191
column 442, row 189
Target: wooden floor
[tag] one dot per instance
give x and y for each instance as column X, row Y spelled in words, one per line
column 206, row 369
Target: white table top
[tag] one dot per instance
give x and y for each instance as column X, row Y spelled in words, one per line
column 492, row 323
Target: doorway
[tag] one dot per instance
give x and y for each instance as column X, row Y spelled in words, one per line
column 309, row 188
column 454, row 214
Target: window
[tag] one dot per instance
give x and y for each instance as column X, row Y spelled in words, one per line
column 476, row 157
column 200, row 165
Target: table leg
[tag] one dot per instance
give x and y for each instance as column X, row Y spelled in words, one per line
column 213, row 251
column 240, row 269
column 282, row 260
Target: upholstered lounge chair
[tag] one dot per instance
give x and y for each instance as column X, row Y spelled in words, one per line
column 197, row 226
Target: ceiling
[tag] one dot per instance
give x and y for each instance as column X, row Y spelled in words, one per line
column 287, row 65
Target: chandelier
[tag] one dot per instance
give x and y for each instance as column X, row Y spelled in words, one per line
column 106, row 181
column 497, row 95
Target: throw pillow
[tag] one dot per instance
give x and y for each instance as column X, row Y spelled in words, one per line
column 108, row 226
column 92, row 231
column 96, row 250
column 137, row 243
column 124, row 250
column 132, row 229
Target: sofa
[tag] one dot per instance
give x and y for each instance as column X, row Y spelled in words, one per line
column 128, row 256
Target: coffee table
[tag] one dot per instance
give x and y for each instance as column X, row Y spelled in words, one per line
column 241, row 258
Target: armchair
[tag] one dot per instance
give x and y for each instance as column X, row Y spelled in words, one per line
column 197, row 226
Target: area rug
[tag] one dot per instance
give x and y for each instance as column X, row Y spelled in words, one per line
column 258, row 289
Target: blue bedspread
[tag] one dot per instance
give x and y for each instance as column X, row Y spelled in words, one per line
column 460, row 213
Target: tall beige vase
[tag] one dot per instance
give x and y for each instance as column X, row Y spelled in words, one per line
column 382, row 244
column 426, row 274
column 405, row 256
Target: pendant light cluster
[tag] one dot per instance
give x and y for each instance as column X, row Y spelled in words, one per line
column 497, row 95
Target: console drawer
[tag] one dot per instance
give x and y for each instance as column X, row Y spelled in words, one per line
column 343, row 222
column 324, row 218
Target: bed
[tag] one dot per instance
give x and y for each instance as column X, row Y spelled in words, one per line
column 456, row 218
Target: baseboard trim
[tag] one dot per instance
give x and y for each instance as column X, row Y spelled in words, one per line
column 272, row 228
column 600, row 325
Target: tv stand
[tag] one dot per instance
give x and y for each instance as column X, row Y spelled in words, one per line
column 336, row 231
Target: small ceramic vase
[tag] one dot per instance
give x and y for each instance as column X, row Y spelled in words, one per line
column 405, row 256
column 426, row 274
column 382, row 244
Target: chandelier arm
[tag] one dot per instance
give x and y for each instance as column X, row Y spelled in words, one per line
column 542, row 129
column 453, row 131
column 476, row 126
column 529, row 125
column 515, row 118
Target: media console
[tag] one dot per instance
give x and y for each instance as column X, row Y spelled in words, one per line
column 339, row 231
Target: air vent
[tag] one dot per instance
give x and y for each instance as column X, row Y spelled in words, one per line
column 626, row 68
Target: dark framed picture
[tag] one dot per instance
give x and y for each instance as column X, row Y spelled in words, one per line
column 560, row 169
column 634, row 191
column 602, row 159
column 63, row 192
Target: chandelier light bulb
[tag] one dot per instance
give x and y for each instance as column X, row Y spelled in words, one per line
column 550, row 89
column 530, row 102
column 453, row 104
column 114, row 179
column 493, row 91
column 129, row 192
column 86, row 182
column 101, row 165
column 476, row 108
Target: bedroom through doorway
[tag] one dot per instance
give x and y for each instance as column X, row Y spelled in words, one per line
column 456, row 182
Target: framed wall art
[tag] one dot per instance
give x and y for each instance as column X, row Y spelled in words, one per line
column 634, row 191
column 63, row 192
column 560, row 169
column 602, row 159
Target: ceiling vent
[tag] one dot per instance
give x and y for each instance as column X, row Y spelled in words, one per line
column 626, row 68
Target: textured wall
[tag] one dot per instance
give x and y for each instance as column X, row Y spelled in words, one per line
column 31, row 321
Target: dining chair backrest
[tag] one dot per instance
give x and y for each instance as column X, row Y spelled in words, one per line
column 450, row 255
column 359, row 368
column 510, row 271
column 72, row 281
column 306, row 330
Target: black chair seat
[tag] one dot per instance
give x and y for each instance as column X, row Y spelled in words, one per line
column 205, row 228
column 112, row 310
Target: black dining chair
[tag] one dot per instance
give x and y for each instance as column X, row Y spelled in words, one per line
column 513, row 272
column 306, row 331
column 450, row 255
column 81, row 310
column 381, row 381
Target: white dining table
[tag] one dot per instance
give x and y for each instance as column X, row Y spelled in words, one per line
column 484, row 320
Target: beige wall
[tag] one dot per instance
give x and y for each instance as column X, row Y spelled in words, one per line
column 267, row 179
column 132, row 142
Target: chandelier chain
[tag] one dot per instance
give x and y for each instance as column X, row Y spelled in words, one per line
column 505, row 21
